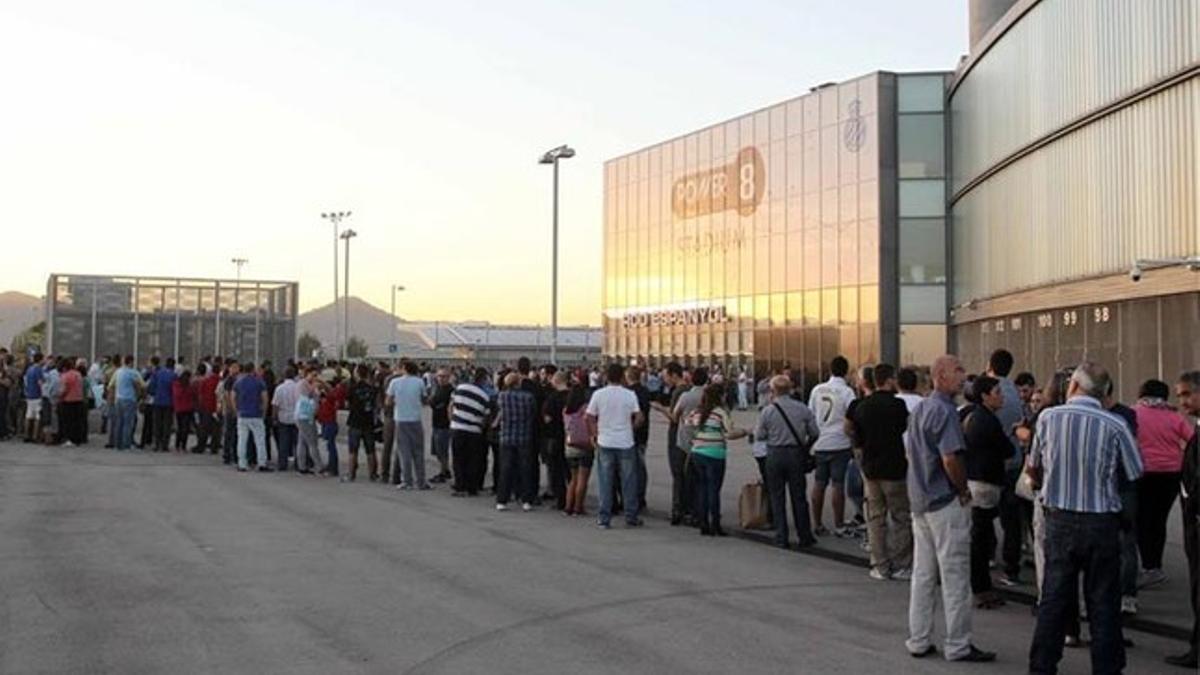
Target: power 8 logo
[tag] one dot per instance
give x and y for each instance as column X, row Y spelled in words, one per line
column 738, row 186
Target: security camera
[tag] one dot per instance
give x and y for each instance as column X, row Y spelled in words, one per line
column 1135, row 273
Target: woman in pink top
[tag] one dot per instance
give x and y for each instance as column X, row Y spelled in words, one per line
column 183, row 399
column 1162, row 435
column 73, row 412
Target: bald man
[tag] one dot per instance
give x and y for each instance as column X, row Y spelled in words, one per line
column 941, row 520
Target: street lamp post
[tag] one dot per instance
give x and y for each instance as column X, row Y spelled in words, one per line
column 552, row 157
column 336, row 217
column 396, row 288
column 239, row 262
column 347, row 235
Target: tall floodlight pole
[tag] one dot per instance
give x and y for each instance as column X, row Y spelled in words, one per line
column 347, row 235
column 396, row 288
column 239, row 262
column 336, row 217
column 552, row 157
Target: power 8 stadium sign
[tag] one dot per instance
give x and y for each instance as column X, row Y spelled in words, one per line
column 737, row 186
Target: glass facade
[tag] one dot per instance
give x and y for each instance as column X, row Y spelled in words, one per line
column 921, row 170
column 771, row 239
column 90, row 316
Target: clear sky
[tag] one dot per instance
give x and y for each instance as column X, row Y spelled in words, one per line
column 164, row 138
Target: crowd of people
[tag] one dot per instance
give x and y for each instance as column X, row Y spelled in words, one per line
column 930, row 459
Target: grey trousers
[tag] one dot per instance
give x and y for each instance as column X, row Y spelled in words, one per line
column 409, row 459
column 308, row 448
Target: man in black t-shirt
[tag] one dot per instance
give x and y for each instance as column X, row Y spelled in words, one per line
column 674, row 386
column 532, row 471
column 363, row 401
column 554, row 440
column 641, row 434
column 877, row 424
column 439, row 403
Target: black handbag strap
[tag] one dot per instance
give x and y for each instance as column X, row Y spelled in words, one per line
column 788, row 422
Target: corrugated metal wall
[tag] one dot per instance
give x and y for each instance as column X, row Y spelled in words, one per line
column 1090, row 203
column 1062, row 60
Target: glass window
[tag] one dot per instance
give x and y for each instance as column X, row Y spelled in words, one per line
column 921, row 146
column 922, row 198
column 920, row 93
column 923, row 251
column 923, row 304
column 920, row 345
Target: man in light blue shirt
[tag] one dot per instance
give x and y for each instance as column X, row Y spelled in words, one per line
column 127, row 385
column 406, row 396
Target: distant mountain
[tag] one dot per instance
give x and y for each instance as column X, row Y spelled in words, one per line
column 367, row 321
column 18, row 311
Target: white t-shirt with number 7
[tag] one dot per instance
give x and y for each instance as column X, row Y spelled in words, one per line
column 829, row 402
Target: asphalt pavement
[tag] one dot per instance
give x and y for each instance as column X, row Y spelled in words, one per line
column 147, row 563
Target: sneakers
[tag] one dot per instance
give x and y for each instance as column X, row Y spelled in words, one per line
column 1150, row 578
column 501, row 507
column 526, row 507
column 902, row 574
column 843, row 532
column 879, row 574
column 821, row 531
column 604, row 526
column 1128, row 605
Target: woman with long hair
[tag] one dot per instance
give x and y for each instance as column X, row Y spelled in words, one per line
column 579, row 451
column 713, row 428
column 183, row 398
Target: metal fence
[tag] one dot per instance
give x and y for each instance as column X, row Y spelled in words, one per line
column 93, row 316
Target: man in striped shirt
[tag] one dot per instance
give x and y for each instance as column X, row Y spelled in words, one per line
column 1076, row 455
column 470, row 409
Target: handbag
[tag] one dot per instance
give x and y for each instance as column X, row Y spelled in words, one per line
column 578, row 435
column 808, row 463
column 752, row 507
column 984, row 495
column 1025, row 488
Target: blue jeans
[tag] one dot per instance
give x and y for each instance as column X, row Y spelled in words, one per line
column 288, row 433
column 1080, row 543
column 711, row 473
column 248, row 428
column 125, row 421
column 607, row 460
column 329, row 434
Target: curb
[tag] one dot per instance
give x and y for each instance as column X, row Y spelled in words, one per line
column 1135, row 623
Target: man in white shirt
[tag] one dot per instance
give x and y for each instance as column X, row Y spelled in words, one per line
column 284, row 403
column 612, row 414
column 829, row 401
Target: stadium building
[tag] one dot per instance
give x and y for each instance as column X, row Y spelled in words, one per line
column 1041, row 197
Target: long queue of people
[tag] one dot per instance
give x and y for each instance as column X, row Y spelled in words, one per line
column 931, row 460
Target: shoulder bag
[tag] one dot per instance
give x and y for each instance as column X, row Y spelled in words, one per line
column 808, row 463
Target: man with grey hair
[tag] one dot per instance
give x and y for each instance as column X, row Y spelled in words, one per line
column 788, row 429
column 941, row 518
column 1076, row 454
